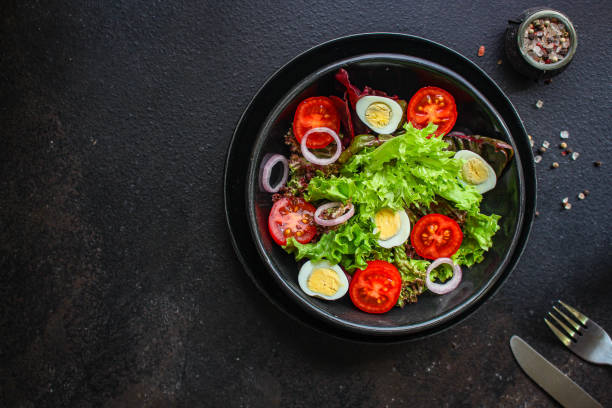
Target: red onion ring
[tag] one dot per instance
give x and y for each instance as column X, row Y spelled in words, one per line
column 314, row 159
column 449, row 285
column 267, row 172
column 330, row 223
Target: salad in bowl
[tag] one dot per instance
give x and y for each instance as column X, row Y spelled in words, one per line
column 379, row 196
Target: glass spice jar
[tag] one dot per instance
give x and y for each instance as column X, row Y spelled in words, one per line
column 540, row 43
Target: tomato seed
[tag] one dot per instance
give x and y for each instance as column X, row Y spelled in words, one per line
column 287, row 232
column 299, row 233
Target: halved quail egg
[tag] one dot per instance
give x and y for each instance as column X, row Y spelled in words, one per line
column 323, row 280
column 393, row 226
column 476, row 171
column 382, row 115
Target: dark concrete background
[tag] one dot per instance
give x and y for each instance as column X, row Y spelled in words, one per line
column 118, row 283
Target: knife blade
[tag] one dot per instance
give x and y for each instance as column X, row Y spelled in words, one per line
column 550, row 378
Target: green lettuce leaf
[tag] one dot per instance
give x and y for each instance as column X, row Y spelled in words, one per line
column 410, row 169
column 350, row 246
column 478, row 234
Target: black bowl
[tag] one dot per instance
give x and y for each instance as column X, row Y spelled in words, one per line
column 397, row 64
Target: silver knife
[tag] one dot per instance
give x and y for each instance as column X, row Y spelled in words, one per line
column 550, row 378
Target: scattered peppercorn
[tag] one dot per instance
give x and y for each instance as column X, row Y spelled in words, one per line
column 542, row 150
column 481, row 50
column 555, row 165
column 564, row 134
column 597, row 163
column 569, row 150
column 530, row 140
column 537, row 213
column 563, row 153
column 548, row 81
column 581, row 196
column 565, row 200
column 539, row 104
column 545, row 144
column 567, row 206
column 537, row 158
column 563, row 145
column 586, row 192
column 499, row 62
column 575, row 155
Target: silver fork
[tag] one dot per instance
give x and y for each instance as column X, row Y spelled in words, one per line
column 586, row 338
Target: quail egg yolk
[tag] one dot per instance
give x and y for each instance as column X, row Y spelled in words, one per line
column 474, row 171
column 324, row 281
column 378, row 114
column 387, row 222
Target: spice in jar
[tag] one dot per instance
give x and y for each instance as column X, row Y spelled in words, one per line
column 546, row 41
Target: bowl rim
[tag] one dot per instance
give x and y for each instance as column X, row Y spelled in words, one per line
column 527, row 211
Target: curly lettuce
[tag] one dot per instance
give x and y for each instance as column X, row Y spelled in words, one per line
column 410, row 169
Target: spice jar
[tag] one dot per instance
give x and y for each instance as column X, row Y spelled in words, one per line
column 541, row 43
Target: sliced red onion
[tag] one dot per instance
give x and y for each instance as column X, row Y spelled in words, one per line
column 267, row 172
column 330, row 223
column 317, row 160
column 450, row 284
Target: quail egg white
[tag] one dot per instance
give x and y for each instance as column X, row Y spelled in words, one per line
column 393, row 226
column 323, row 280
column 382, row 115
column 476, row 171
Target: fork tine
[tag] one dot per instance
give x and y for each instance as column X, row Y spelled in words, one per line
column 567, row 329
column 581, row 318
column 575, row 325
column 564, row 339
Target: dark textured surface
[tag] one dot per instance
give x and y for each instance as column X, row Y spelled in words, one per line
column 119, row 286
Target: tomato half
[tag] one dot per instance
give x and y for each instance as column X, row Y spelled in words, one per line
column 317, row 111
column 432, row 104
column 436, row 236
column 292, row 217
column 376, row 289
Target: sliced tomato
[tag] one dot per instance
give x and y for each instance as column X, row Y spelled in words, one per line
column 292, row 217
column 376, row 289
column 432, row 104
column 317, row 111
column 436, row 236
